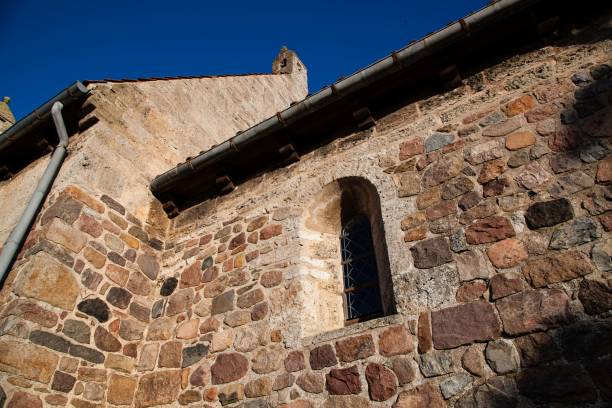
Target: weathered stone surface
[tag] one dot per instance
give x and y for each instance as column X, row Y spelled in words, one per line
column 45, row 279
column 403, row 370
column 536, row 349
column 31, row 362
column 270, row 231
column 96, row 308
column 435, row 363
column 148, row 357
column 520, row 105
column 457, row 241
column 139, row 284
column 189, row 397
column 518, row 159
column 200, row 376
column 491, row 170
column 229, row 367
column 482, row 152
column 188, row 329
column 507, row 253
column 501, row 356
column 490, row 229
column 381, row 382
column 424, row 333
column 532, row 176
column 472, row 265
column 86, row 353
column 411, row 148
column 179, row 301
column 394, row 341
column 322, row 356
column 570, row 183
column 313, row 383
column 531, row 311
column 578, row 232
column 355, row 348
column 266, row 360
column 62, row 382
column 117, row 274
column 191, row 275
column 426, row 395
column 259, row 387
column 65, row 235
column 431, row 252
column 168, row 286
column 503, row 128
column 170, row 354
column 437, row 141
column 22, row 399
column 519, row 140
column 121, row 390
column 596, row 297
column 549, row 213
column 505, row 284
column 249, row 298
column 118, row 297
column 408, row 184
column 158, row 388
column 343, row 381
column 556, row 268
column 106, row 341
column 440, row 210
column 457, row 187
column 556, row 384
column 341, row 401
column 283, row 381
column 272, row 278
column 223, row 303
column 449, row 325
column 193, row 354
column 455, row 385
column 473, row 361
column 230, row 393
column 50, row 340
column 442, row 170
column 27, row 310
column 470, row 291
column 131, row 330
column 295, row 361
column 77, row 330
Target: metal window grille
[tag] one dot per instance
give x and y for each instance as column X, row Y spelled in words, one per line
column 361, row 286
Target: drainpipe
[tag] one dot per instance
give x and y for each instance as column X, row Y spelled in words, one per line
column 19, row 233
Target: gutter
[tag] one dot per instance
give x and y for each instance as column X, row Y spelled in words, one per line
column 19, row 130
column 34, row 118
column 162, row 185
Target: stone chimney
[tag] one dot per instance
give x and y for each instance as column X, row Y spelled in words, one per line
column 6, row 115
column 288, row 62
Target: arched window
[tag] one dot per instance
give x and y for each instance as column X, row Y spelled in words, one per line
column 345, row 269
column 361, row 284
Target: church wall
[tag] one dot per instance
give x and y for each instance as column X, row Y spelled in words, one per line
column 496, row 212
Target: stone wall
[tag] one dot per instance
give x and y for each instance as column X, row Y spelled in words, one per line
column 496, row 207
column 144, row 128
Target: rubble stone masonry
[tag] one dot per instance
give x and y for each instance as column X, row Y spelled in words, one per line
column 496, row 205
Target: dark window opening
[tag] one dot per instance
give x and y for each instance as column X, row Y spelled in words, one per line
column 361, row 283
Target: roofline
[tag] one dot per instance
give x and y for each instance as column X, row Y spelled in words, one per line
column 163, row 184
column 22, row 127
column 170, row 78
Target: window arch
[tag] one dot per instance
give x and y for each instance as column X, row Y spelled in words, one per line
column 344, row 261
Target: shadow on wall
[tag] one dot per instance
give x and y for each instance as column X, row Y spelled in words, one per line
column 569, row 365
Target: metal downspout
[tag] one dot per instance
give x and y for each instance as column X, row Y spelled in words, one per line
column 19, row 233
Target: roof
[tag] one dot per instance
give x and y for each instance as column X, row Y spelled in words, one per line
column 415, row 72
column 170, row 78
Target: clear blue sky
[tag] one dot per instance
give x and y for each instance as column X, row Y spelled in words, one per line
column 46, row 45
